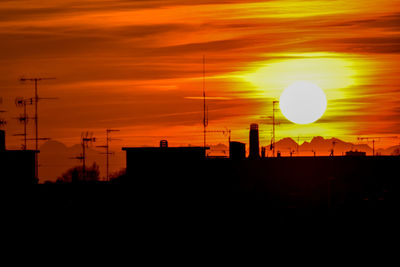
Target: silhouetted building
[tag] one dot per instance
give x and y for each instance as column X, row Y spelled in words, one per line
column 163, row 143
column 150, row 160
column 16, row 166
column 254, row 142
column 2, row 140
column 237, row 150
column 355, row 153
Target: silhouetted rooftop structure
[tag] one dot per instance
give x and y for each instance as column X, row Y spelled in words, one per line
column 16, row 166
column 166, row 153
column 254, row 142
column 148, row 159
column 237, row 150
column 356, row 153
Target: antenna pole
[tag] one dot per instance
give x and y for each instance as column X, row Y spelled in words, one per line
column 205, row 122
column 85, row 140
column 25, row 122
column 273, row 127
column 107, row 147
column 83, row 159
column 36, row 119
column 107, row 131
column 373, row 147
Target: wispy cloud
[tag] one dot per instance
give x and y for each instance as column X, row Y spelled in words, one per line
column 140, row 62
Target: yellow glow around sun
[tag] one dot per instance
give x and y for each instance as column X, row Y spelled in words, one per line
column 303, row 102
column 330, row 71
column 337, row 73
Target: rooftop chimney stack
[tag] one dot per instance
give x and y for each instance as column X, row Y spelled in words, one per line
column 163, row 143
column 254, row 142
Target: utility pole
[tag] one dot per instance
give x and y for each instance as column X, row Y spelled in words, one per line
column 35, row 80
column 108, row 139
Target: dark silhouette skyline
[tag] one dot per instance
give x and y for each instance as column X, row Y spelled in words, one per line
column 187, row 180
column 183, row 81
column 56, row 158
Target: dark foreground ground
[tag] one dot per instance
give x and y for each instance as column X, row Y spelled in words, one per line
column 322, row 189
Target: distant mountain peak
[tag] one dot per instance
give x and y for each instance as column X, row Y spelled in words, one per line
column 318, row 140
column 52, row 145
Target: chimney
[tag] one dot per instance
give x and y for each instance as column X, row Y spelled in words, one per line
column 2, row 140
column 163, row 143
column 254, row 142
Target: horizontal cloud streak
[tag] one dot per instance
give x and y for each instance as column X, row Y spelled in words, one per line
column 139, row 61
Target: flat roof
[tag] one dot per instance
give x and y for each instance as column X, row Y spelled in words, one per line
column 171, row 148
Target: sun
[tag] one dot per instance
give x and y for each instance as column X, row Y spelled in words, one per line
column 303, row 102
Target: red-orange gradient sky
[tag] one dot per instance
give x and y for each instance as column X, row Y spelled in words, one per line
column 137, row 66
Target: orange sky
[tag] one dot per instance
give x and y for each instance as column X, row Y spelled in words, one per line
column 137, row 66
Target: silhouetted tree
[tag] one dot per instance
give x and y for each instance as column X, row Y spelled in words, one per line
column 76, row 174
column 118, row 174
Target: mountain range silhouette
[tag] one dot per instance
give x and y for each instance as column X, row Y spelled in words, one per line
column 56, row 157
column 322, row 147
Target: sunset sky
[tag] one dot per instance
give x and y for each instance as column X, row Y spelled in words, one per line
column 137, row 66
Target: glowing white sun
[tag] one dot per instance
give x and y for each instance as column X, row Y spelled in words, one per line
column 303, row 102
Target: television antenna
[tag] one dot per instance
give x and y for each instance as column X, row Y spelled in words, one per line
column 86, row 140
column 301, row 138
column 3, row 122
column 226, row 132
column 205, row 108
column 36, row 118
column 108, row 139
column 376, row 139
column 23, row 102
column 333, row 148
column 274, row 123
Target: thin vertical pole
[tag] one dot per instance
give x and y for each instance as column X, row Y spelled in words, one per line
column 36, row 116
column 83, row 159
column 204, row 104
column 273, row 128
column 25, row 122
column 36, row 120
column 373, row 147
column 107, row 154
column 36, row 131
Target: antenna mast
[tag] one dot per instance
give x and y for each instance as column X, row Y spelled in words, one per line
column 108, row 139
column 2, row 121
column 85, row 140
column 23, row 118
column 35, row 80
column 273, row 126
column 205, row 117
